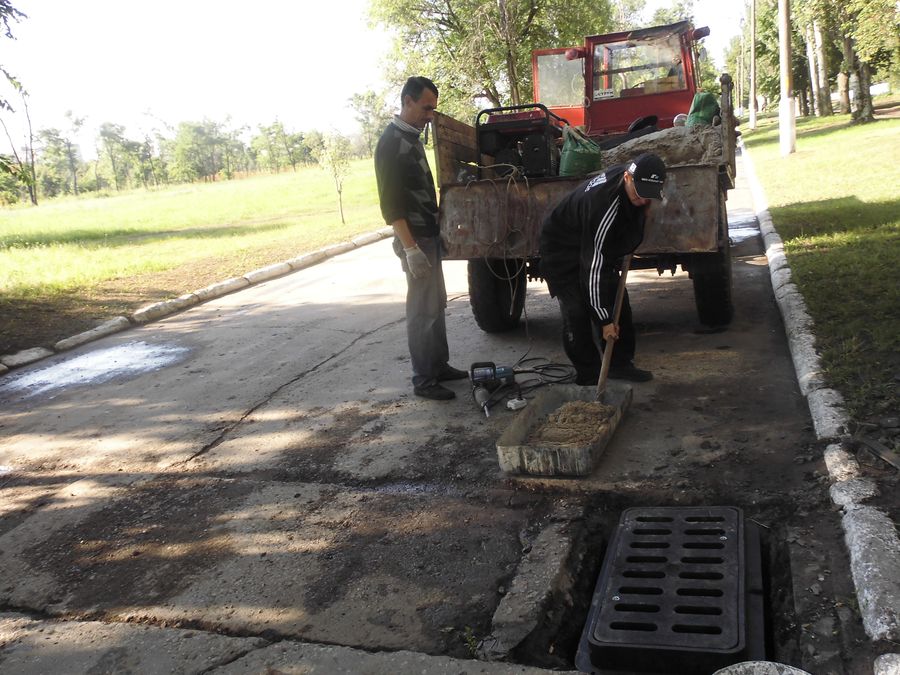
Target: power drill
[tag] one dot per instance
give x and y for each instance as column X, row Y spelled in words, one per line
column 486, row 378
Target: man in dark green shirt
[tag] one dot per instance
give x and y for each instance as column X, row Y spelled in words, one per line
column 409, row 204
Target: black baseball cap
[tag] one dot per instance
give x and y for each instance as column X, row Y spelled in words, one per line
column 649, row 174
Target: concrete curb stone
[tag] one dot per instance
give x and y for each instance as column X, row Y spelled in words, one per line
column 307, row 260
column 164, row 308
column 542, row 574
column 159, row 310
column 24, row 357
column 221, row 288
column 848, row 493
column 875, row 565
column 268, row 272
column 106, row 328
column 871, row 537
column 887, row 664
column 840, row 463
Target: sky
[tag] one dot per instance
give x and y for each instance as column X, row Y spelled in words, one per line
column 148, row 64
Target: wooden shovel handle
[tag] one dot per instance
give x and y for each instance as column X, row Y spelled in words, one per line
column 617, row 310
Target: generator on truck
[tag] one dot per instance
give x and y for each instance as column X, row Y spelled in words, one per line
column 499, row 178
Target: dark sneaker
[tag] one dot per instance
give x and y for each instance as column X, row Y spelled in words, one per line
column 435, row 392
column 630, row 373
column 450, row 373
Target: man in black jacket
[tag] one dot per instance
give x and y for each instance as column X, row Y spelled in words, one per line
column 409, row 205
column 582, row 241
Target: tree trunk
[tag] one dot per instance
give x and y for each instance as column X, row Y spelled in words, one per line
column 73, row 168
column 813, row 72
column 865, row 112
column 825, row 108
column 844, row 77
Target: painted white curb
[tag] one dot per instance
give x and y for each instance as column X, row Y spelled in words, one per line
column 871, row 537
column 159, row 310
column 106, row 328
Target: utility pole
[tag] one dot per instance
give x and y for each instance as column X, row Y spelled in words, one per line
column 787, row 131
column 752, row 101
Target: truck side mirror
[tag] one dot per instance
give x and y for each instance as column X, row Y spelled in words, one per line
column 699, row 33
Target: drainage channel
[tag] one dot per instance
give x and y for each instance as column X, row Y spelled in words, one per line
column 672, row 590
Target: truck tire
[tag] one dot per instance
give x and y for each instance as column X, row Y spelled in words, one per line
column 497, row 293
column 711, row 273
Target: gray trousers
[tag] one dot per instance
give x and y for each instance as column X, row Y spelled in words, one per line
column 426, row 300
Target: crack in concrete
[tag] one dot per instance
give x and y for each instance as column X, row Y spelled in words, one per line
column 227, row 429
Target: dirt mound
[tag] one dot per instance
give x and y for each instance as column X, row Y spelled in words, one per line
column 676, row 146
column 576, row 423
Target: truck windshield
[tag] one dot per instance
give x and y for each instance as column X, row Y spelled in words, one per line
column 634, row 68
column 560, row 82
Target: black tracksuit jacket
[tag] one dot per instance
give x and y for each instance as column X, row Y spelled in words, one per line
column 586, row 235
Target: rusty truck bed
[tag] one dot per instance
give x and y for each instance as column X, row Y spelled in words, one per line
column 501, row 218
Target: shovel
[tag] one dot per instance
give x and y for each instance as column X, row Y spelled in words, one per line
column 607, row 352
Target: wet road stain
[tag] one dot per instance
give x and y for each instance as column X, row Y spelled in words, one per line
column 742, row 225
column 130, row 359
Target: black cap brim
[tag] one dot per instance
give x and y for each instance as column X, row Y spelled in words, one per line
column 648, row 189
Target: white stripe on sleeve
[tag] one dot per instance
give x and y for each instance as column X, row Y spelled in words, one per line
column 597, row 262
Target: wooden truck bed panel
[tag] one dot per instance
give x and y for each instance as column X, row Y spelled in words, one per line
column 502, row 218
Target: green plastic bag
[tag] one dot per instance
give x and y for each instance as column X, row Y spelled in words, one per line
column 704, row 108
column 580, row 155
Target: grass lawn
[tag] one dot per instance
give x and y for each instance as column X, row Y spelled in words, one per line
column 836, row 204
column 71, row 263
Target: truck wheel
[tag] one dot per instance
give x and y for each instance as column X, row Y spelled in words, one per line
column 711, row 273
column 497, row 293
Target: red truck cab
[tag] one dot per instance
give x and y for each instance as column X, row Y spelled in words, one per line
column 618, row 78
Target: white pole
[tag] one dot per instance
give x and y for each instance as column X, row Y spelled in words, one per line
column 752, row 102
column 787, row 130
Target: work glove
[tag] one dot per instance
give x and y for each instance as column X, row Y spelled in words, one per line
column 417, row 262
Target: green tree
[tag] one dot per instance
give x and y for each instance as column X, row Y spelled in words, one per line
column 198, row 151
column 334, row 157
column 480, row 52
column 53, row 163
column 870, row 30
column 112, row 138
column 680, row 10
column 71, row 148
column 21, row 163
column 8, row 13
column 373, row 115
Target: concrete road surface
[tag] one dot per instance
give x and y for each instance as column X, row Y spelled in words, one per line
column 256, row 471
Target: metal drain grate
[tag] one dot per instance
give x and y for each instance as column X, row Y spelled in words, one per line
column 672, row 593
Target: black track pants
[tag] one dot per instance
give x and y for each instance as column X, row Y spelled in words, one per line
column 582, row 330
